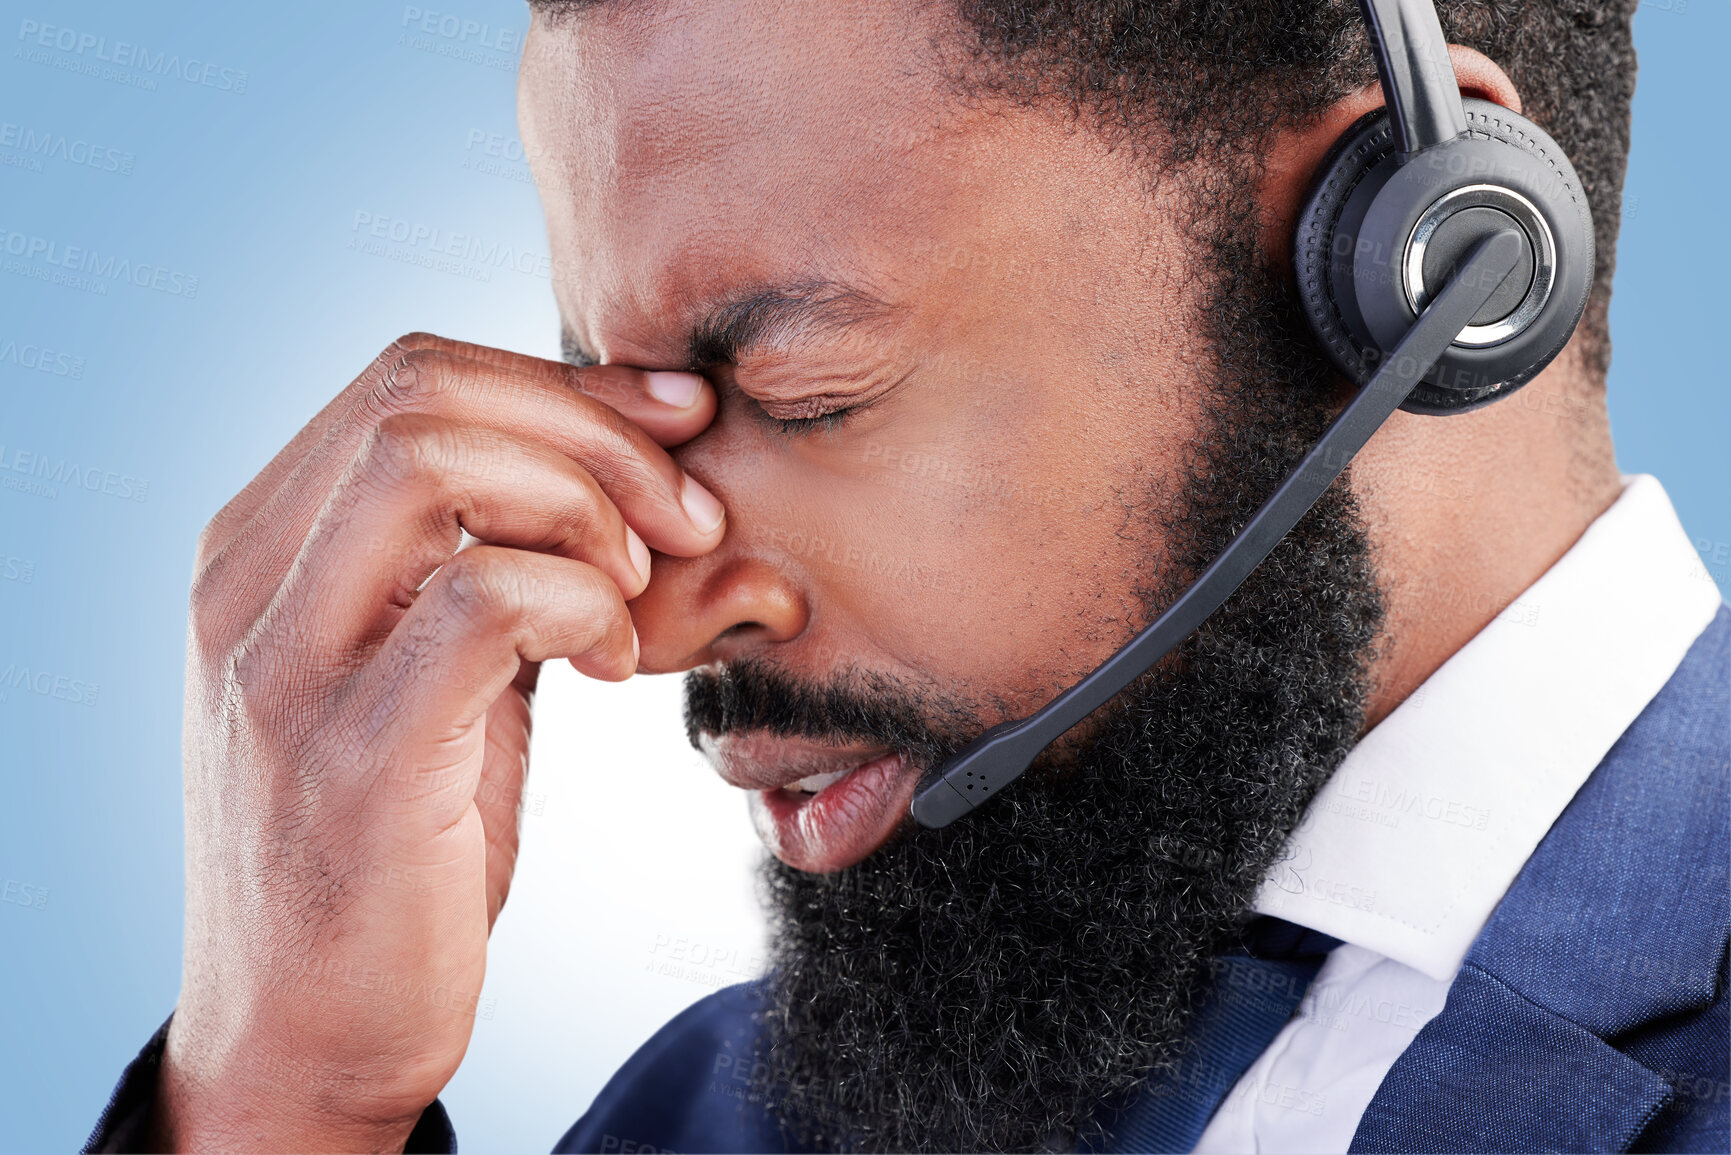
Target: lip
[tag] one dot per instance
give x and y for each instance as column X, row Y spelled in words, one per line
column 834, row 828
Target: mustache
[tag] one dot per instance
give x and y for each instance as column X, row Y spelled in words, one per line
column 865, row 707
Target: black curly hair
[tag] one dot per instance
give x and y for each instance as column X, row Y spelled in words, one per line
column 1220, row 76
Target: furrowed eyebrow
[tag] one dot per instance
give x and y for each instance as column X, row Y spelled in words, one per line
column 770, row 316
column 757, row 318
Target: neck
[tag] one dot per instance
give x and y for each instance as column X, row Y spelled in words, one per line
column 1466, row 512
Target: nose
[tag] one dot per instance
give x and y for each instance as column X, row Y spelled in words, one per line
column 742, row 596
column 712, row 608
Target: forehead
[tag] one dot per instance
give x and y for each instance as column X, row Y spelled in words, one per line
column 685, row 149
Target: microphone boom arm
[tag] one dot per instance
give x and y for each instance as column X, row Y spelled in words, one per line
column 1003, row 753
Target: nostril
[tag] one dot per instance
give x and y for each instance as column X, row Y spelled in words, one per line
column 714, row 608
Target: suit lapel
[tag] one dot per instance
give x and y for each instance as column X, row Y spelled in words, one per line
column 1495, row 1072
column 1608, row 928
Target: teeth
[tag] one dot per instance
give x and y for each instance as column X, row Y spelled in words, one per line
column 818, row 781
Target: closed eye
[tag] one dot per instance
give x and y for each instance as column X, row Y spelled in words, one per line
column 801, row 426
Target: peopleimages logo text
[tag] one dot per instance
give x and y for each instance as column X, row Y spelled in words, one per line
column 123, row 54
column 44, row 471
column 462, row 246
column 450, row 26
column 59, row 146
column 91, row 263
column 47, row 684
column 41, row 358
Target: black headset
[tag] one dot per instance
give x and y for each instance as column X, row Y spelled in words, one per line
column 1443, row 257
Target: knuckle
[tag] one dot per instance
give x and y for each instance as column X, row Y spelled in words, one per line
column 406, row 449
column 415, row 340
column 208, row 547
column 645, row 482
column 620, row 432
column 588, row 587
column 610, row 645
column 219, row 601
column 209, row 584
column 263, row 686
column 405, row 381
column 208, row 621
column 582, row 520
column 250, row 668
column 473, row 587
column 627, row 461
column 605, row 620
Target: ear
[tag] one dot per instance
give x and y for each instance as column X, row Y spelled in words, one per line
column 1298, row 151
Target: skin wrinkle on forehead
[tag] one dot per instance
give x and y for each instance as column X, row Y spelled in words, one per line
column 658, row 155
column 648, row 115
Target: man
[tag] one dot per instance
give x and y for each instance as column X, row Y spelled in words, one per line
column 963, row 338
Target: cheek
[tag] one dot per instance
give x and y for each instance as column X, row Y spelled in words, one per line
column 997, row 560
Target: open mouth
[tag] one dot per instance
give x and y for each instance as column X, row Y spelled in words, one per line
column 817, row 808
column 817, row 782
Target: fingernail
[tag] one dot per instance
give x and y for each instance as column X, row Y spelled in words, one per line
column 700, row 505
column 639, row 553
column 636, row 648
column 676, row 389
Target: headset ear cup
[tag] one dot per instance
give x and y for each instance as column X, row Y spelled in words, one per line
column 1354, row 239
column 1360, row 153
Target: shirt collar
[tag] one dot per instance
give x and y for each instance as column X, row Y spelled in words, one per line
column 1413, row 841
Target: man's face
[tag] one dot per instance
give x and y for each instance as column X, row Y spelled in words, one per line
column 791, row 198
column 1056, row 419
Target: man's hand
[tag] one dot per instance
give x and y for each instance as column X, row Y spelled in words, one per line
column 357, row 719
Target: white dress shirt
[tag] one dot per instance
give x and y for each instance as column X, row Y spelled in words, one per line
column 1412, row 843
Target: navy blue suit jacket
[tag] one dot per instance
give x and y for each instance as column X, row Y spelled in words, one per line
column 1590, row 1015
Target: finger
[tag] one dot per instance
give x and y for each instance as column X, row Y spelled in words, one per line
column 246, row 504
column 464, row 641
column 400, row 513
column 672, row 407
column 530, row 391
column 504, row 774
column 672, row 512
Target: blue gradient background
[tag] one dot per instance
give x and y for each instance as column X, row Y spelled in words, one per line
column 623, row 913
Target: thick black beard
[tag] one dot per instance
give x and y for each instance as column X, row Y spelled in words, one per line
column 993, row 985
